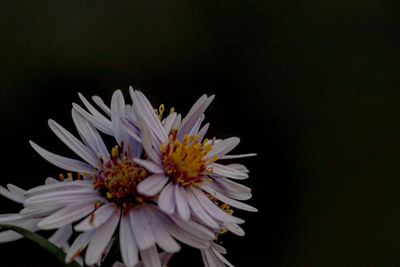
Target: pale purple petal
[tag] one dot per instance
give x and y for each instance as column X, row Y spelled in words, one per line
column 238, row 156
column 74, row 144
column 166, row 201
column 232, row 189
column 163, row 238
column 117, row 111
column 63, row 162
column 98, row 217
column 193, row 116
column 99, row 102
column 168, row 122
column 150, row 257
column 182, row 205
column 203, row 131
column 100, row 239
column 199, row 212
column 150, row 144
column 101, row 123
column 141, row 229
column 149, row 165
column 227, row 200
column 234, row 228
column 12, row 196
column 78, row 246
column 143, row 107
column 15, row 189
column 90, row 135
column 223, row 147
column 212, row 209
column 128, row 247
column 61, row 236
column 226, row 171
column 73, row 185
column 152, row 185
column 66, row 216
column 9, row 235
column 194, row 228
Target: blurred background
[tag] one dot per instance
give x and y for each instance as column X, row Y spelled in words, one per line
column 312, row 87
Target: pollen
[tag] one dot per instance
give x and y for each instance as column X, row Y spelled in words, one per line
column 119, row 178
column 184, row 162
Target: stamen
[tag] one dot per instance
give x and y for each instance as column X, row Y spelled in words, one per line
column 119, row 178
column 184, row 162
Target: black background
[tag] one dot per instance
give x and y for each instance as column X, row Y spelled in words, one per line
column 311, row 86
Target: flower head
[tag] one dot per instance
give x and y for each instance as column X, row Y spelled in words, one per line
column 186, row 175
column 104, row 196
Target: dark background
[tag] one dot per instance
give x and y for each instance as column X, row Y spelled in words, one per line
column 312, row 87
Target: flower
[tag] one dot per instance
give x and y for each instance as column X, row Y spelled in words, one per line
column 103, row 196
column 184, row 167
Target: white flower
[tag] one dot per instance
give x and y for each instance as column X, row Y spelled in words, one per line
column 185, row 172
column 104, row 195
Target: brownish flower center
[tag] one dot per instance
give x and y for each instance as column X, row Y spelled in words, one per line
column 185, row 162
column 119, row 178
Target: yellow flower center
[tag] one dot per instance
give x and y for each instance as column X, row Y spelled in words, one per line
column 119, row 178
column 185, row 162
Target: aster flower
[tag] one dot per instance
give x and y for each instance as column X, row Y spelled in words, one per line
column 184, row 167
column 104, row 194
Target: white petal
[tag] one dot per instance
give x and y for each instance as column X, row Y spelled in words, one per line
column 152, row 185
column 238, row 156
column 193, row 116
column 90, row 135
column 117, row 111
column 184, row 236
column 64, row 186
column 225, row 146
column 227, row 200
column 66, row 216
column 74, row 144
column 101, row 105
column 163, row 238
column 15, row 189
column 166, row 201
column 78, row 246
column 141, row 229
column 182, row 205
column 97, row 218
column 149, row 165
column 150, row 257
column 143, row 107
column 226, row 171
column 232, row 189
column 203, row 131
column 14, row 197
column 63, row 162
column 100, row 239
column 213, row 209
column 234, row 228
column 168, row 122
column 222, row 259
column 198, row 210
column 101, row 123
column 177, row 122
column 195, row 229
column 61, row 236
column 150, row 144
column 129, row 250
column 239, row 167
column 9, row 235
column 218, row 248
